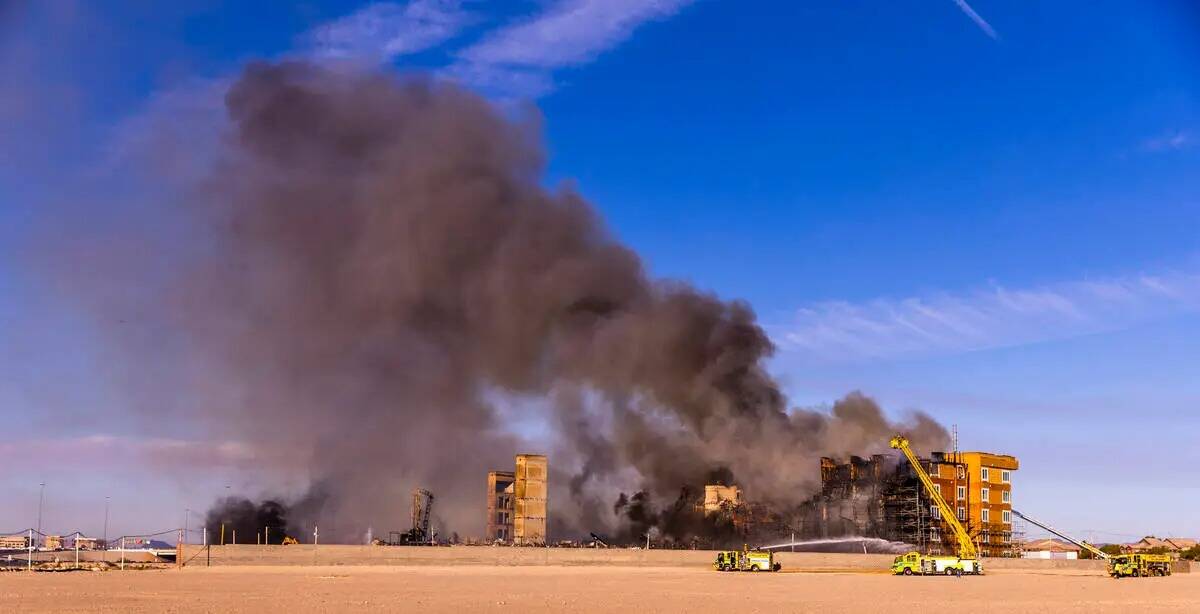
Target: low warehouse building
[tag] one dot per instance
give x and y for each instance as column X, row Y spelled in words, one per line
column 1049, row 549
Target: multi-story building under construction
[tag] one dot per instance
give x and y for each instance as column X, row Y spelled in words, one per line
column 882, row 497
column 978, row 486
column 517, row 502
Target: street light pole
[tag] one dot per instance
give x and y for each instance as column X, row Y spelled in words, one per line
column 186, row 513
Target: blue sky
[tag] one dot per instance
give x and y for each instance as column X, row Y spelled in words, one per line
column 987, row 211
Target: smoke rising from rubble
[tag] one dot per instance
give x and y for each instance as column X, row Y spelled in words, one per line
column 384, row 262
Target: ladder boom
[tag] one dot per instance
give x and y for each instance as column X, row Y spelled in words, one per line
column 966, row 547
column 1082, row 544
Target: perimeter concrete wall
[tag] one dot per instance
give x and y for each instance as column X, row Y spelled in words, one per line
column 618, row 557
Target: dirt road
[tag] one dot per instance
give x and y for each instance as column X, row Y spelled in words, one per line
column 463, row 589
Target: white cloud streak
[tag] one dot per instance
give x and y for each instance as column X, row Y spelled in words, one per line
column 387, row 30
column 979, row 21
column 568, row 33
column 996, row 317
column 1171, row 141
column 161, row 452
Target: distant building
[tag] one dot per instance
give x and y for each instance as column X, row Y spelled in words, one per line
column 1049, row 549
column 85, row 543
column 517, row 502
column 500, row 506
column 53, row 542
column 720, row 498
column 1166, row 544
column 14, row 542
column 529, row 500
column 1183, row 543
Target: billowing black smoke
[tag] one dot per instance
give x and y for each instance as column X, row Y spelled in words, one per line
column 387, row 296
column 236, row 518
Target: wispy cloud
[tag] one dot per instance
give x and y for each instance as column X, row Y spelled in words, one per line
column 979, row 21
column 387, row 30
column 567, row 33
column 1171, row 141
column 91, row 450
column 985, row 319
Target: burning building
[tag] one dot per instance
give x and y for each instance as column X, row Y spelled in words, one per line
column 517, row 502
column 882, row 497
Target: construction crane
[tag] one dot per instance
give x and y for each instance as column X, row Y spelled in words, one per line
column 1082, row 544
column 911, row 563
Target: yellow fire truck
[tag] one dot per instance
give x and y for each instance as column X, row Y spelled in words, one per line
column 746, row 560
column 1139, row 565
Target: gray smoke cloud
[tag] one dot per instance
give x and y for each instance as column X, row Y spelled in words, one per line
column 385, row 282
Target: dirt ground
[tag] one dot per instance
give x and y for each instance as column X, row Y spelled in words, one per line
column 479, row 588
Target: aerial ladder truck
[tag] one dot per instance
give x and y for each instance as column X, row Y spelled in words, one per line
column 967, row 561
column 1119, row 565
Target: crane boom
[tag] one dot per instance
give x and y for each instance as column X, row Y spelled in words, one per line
column 966, row 547
column 1082, row 544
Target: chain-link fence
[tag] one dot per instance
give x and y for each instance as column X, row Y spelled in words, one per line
column 31, row 549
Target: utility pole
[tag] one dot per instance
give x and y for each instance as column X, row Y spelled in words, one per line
column 186, row 512
column 226, row 520
column 41, row 497
column 106, row 529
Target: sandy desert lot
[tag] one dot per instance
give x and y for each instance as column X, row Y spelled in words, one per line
column 489, row 588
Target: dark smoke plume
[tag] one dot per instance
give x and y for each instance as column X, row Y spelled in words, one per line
column 239, row 520
column 387, row 283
